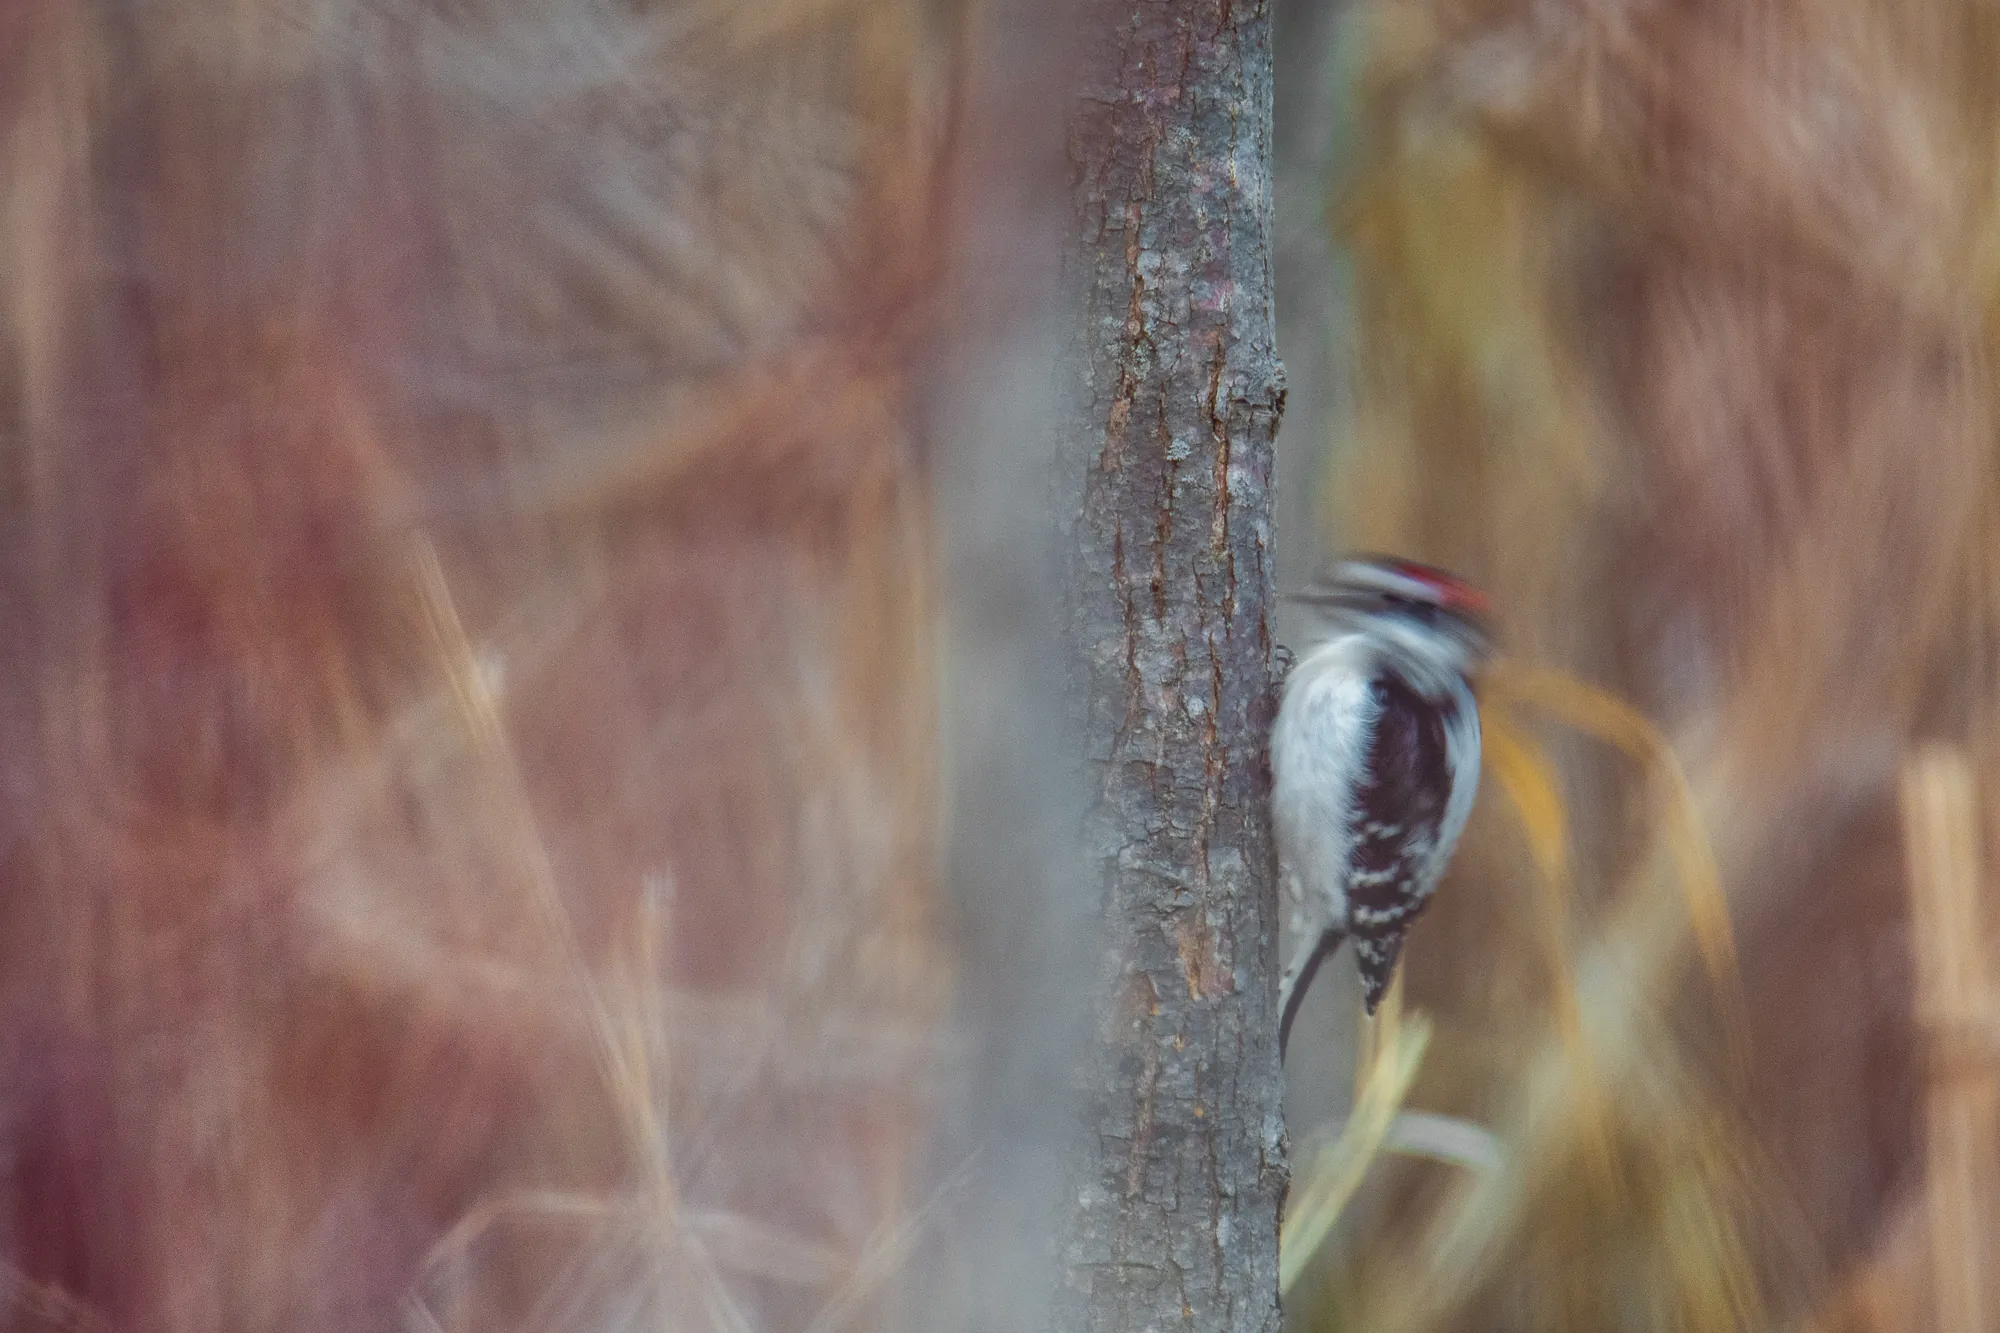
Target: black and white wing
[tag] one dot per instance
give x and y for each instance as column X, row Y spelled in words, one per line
column 1399, row 827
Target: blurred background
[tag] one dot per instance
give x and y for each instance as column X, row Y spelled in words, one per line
column 474, row 486
column 528, row 791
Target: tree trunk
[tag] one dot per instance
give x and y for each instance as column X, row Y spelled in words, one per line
column 1178, row 1188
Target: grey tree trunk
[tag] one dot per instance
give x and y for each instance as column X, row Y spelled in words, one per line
column 1175, row 1210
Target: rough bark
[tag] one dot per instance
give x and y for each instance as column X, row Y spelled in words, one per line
column 1174, row 1221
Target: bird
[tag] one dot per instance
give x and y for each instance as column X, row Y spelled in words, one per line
column 1375, row 755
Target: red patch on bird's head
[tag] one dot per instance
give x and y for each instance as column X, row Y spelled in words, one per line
column 1452, row 592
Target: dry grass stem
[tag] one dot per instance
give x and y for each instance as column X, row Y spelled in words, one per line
column 1954, row 990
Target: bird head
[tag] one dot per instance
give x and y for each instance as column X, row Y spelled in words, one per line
column 1429, row 609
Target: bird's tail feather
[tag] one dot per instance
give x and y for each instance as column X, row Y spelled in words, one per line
column 1376, row 958
column 1301, row 982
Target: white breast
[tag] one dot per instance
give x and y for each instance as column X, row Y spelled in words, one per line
column 1325, row 725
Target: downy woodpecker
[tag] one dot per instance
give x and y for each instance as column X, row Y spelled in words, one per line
column 1374, row 762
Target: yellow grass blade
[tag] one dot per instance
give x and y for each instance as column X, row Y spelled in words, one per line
column 1338, row 1168
column 1526, row 776
column 1595, row 712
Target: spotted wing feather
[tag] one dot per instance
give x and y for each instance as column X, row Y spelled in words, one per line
column 1399, row 822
